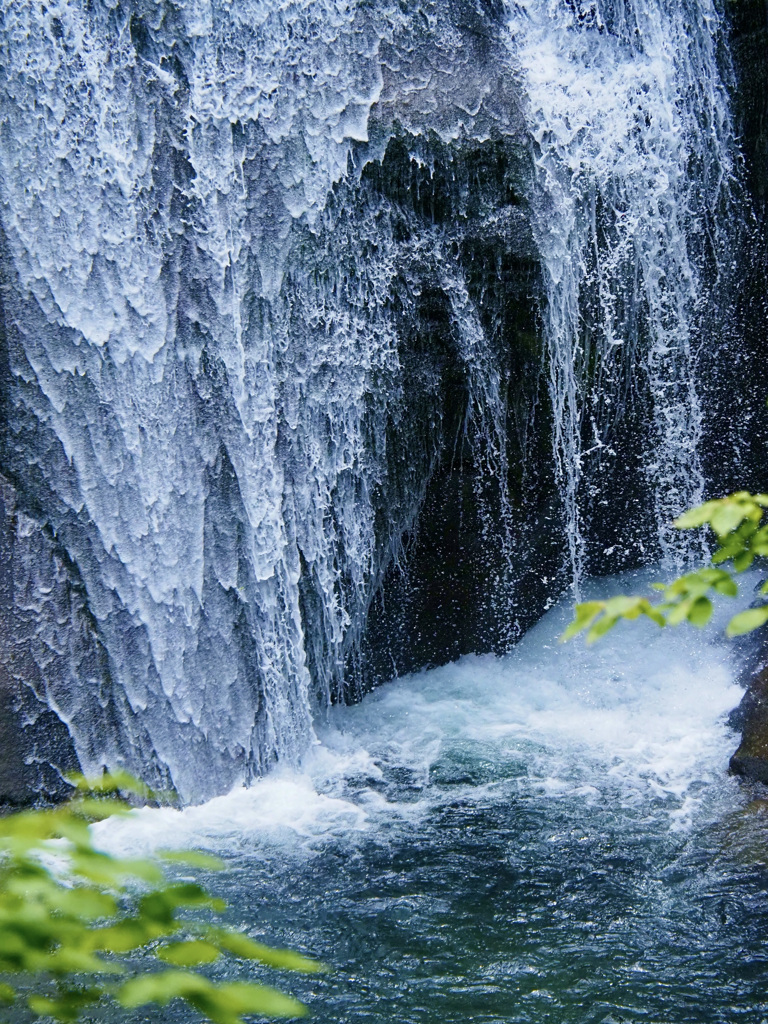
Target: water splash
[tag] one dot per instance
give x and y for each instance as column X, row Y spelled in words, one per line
column 635, row 727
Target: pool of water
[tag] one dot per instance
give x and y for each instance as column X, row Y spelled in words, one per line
column 546, row 837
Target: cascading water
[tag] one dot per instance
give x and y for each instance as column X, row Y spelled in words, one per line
column 633, row 147
column 205, row 384
column 221, row 415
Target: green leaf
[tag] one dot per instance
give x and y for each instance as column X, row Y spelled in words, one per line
column 221, row 1003
column 584, row 614
column 728, row 587
column 35, row 826
column 189, row 954
column 127, row 935
column 67, row 1006
column 656, row 616
column 70, row 961
column 161, row 988
column 110, row 782
column 243, row 946
column 695, row 517
column 601, row 627
column 195, row 859
column 161, row 904
column 105, row 870
column 743, row 561
column 84, row 904
column 727, row 518
column 725, row 515
column 241, row 997
column 7, row 994
column 98, row 810
column 712, row 576
column 724, row 554
column 680, row 612
column 700, row 612
column 747, row 621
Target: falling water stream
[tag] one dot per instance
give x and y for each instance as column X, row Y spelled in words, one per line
column 620, row 225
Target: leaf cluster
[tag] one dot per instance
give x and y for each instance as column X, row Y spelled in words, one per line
column 739, row 524
column 72, row 919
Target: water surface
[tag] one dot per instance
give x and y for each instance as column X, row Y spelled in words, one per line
column 546, row 837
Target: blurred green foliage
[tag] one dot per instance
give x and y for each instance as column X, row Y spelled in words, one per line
column 741, row 531
column 73, row 919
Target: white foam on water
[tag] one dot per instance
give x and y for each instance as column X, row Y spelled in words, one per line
column 637, row 723
column 277, row 808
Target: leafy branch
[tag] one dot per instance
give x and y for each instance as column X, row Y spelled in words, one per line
column 71, row 917
column 741, row 530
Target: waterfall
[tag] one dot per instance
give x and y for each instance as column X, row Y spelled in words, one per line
column 630, row 123
column 222, row 415
column 206, row 392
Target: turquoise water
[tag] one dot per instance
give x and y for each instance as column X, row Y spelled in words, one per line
column 548, row 837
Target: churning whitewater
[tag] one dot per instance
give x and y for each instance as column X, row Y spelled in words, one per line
column 636, row 726
column 216, row 313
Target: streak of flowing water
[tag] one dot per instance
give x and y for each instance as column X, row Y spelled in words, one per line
column 633, row 143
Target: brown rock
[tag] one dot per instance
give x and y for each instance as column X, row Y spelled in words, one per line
column 751, row 758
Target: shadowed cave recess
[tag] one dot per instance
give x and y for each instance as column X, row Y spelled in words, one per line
column 340, row 338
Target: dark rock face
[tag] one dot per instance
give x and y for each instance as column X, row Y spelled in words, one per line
column 749, row 43
column 485, row 551
column 738, row 420
column 751, row 758
column 35, row 747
